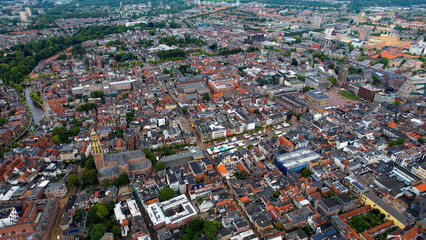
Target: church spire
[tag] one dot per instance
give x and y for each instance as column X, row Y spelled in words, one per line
column 96, row 144
column 97, row 151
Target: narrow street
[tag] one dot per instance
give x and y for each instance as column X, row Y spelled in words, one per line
column 57, row 231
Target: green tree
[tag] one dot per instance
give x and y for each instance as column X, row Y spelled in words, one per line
column 397, row 102
column 75, row 131
column 150, row 155
column 306, row 172
column 105, row 183
column 57, row 139
column 275, row 194
column 384, row 61
column 97, row 94
column 123, row 179
column 116, row 230
column 97, row 231
column 306, row 88
column 241, row 175
column 421, row 140
column 213, row 47
column 279, row 225
column 206, row 96
column 101, row 210
column 210, row 229
column 73, row 180
column 90, row 163
column 89, row 177
column 184, row 110
column 375, row 80
column 160, row 167
column 166, row 194
column 2, row 121
column 78, row 216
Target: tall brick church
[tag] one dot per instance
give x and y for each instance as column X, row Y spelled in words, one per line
column 110, row 166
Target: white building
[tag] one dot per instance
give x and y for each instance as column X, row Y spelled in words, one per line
column 8, row 217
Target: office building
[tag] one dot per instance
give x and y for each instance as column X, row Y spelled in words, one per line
column 316, row 22
column 172, row 214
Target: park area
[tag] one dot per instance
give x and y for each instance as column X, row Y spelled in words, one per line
column 366, row 221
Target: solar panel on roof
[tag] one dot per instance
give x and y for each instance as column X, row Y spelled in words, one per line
column 196, row 169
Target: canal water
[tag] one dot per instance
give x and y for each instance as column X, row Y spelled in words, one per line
column 38, row 113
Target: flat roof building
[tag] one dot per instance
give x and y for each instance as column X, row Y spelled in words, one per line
column 172, row 214
column 296, row 160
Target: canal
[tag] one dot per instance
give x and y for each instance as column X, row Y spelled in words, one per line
column 38, row 113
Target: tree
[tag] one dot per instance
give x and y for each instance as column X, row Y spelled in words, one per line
column 375, row 80
column 160, row 167
column 97, row 94
column 184, row 110
column 90, row 163
column 150, row 155
column 213, row 47
column 206, row 96
column 61, row 132
column 210, row 229
column 123, row 179
column 105, row 182
column 89, row 177
column 275, row 194
column 73, row 180
column 331, row 66
column 57, row 139
column 279, row 225
column 78, row 216
column 384, row 61
column 101, row 210
column 241, row 175
column 306, row 88
column 298, row 40
column 397, row 102
column 97, row 231
column 116, row 230
column 306, row 172
column 2, row 121
column 400, row 141
column 298, row 116
column 75, row 131
column 166, row 194
column 421, row 140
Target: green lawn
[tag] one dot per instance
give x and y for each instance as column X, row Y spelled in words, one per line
column 349, row 95
column 366, row 221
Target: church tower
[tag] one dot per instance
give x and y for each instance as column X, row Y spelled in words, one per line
column 97, row 151
column 343, row 71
